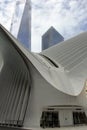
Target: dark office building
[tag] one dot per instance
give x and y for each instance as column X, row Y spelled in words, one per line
column 50, row 38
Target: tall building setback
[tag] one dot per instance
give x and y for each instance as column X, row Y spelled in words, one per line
column 50, row 38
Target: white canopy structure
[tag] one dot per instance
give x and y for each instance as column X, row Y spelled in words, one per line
column 31, row 83
column 71, row 57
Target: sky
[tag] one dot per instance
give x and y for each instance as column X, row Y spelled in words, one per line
column 68, row 17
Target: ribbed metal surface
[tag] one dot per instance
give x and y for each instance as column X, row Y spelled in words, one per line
column 14, row 84
column 69, row 53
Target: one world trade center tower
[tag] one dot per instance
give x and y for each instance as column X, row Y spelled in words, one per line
column 21, row 23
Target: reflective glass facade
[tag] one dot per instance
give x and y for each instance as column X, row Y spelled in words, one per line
column 50, row 38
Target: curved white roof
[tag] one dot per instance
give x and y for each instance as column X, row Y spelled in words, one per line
column 70, row 56
column 69, row 53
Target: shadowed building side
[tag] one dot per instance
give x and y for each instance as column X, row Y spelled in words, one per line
column 14, row 84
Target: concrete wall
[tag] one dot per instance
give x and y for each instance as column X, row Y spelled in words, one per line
column 82, row 98
column 66, row 118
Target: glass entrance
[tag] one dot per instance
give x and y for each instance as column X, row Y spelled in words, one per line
column 49, row 119
column 79, row 118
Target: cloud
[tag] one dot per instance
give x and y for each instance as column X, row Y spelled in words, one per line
column 69, row 17
column 11, row 13
column 6, row 11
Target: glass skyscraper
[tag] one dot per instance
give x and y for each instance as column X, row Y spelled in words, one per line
column 21, row 23
column 50, row 38
column 24, row 34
